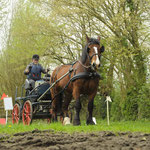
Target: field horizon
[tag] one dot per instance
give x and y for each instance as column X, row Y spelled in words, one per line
column 117, row 126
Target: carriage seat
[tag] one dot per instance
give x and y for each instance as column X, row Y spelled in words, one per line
column 29, row 84
column 38, row 83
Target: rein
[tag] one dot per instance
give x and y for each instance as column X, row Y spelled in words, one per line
column 80, row 75
column 87, row 67
column 53, row 84
column 90, row 58
column 93, row 55
column 77, row 76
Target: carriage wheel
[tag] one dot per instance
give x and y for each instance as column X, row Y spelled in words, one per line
column 16, row 114
column 27, row 113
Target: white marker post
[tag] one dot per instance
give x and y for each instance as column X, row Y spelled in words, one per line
column 108, row 99
column 8, row 105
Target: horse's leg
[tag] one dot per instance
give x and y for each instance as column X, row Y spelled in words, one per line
column 76, row 95
column 66, row 119
column 59, row 106
column 90, row 110
column 66, row 103
column 56, row 103
column 54, row 110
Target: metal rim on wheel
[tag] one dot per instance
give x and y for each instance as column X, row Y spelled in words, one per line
column 16, row 114
column 27, row 113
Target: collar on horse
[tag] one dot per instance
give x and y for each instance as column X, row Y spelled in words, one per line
column 86, row 75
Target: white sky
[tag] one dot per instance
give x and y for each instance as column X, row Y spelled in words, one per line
column 4, row 28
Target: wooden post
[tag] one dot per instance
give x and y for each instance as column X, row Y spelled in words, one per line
column 108, row 99
column 6, row 116
column 107, row 113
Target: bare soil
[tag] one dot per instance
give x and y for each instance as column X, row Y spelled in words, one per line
column 50, row 140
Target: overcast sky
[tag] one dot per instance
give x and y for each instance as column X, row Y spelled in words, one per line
column 5, row 21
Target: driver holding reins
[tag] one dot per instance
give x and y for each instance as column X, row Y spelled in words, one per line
column 34, row 69
column 33, row 72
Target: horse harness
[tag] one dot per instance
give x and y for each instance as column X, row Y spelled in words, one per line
column 87, row 75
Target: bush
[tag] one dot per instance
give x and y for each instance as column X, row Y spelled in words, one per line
column 144, row 102
column 130, row 108
column 115, row 112
column 100, row 107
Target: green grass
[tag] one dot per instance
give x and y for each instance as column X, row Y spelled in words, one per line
column 132, row 126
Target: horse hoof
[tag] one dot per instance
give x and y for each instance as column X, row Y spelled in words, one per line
column 76, row 122
column 90, row 122
column 66, row 121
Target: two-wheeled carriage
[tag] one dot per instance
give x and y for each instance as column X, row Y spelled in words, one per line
column 34, row 104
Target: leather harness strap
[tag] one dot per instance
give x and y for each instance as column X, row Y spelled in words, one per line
column 85, row 75
column 80, row 75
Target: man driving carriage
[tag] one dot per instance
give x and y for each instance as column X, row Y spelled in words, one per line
column 33, row 72
column 34, row 69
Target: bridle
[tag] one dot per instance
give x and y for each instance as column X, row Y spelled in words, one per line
column 90, row 59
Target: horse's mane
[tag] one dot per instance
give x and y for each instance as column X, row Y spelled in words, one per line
column 84, row 51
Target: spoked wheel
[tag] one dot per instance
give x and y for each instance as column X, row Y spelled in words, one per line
column 27, row 113
column 16, row 114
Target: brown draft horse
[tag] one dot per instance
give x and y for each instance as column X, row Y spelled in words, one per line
column 88, row 64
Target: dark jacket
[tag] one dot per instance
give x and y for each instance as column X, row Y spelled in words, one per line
column 34, row 71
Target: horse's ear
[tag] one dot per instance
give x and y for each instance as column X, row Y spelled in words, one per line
column 99, row 38
column 102, row 49
column 87, row 39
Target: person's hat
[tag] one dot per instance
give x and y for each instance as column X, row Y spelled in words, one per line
column 36, row 57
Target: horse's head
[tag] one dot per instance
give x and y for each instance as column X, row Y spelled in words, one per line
column 93, row 52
